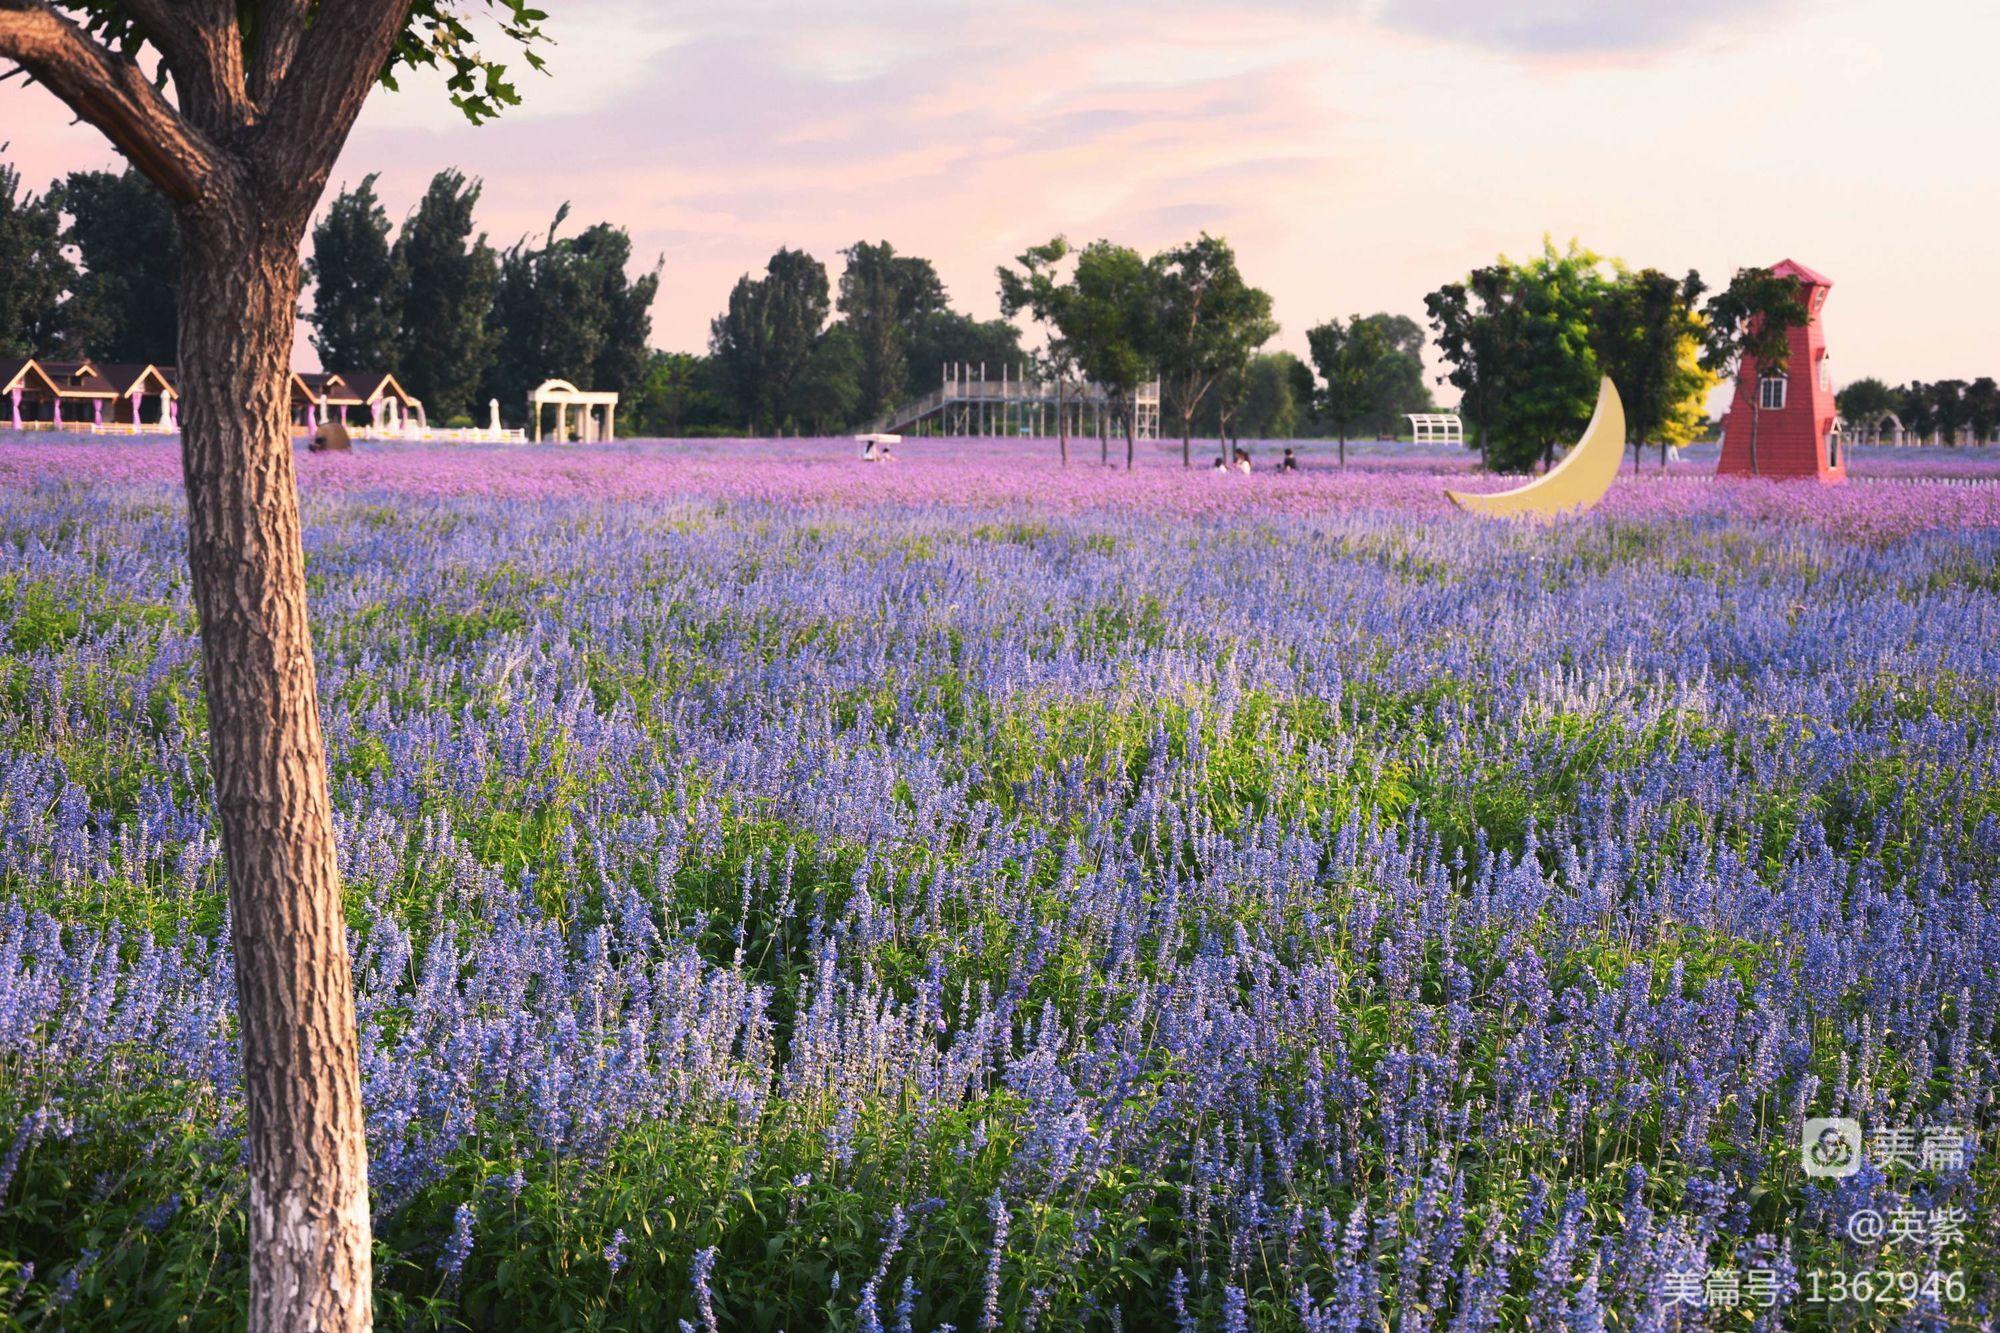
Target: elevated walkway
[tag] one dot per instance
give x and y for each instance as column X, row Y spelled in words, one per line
column 966, row 402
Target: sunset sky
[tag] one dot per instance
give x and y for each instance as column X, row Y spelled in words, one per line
column 1357, row 154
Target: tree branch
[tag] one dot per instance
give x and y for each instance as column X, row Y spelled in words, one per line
column 281, row 27
column 111, row 93
column 209, row 76
column 310, row 113
column 198, row 43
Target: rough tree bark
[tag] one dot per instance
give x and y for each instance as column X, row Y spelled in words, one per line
column 309, row 1246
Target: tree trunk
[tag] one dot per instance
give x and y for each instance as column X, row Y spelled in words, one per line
column 308, row 1162
column 1103, row 437
column 1343, row 446
column 1062, row 422
column 1132, row 432
column 1187, row 440
column 1756, row 415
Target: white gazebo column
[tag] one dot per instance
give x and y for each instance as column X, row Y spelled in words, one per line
column 611, row 421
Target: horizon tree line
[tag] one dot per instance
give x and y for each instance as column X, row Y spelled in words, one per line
column 1940, row 412
column 90, row 267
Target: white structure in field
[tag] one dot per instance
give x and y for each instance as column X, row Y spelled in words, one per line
column 966, row 402
column 1437, row 427
column 566, row 398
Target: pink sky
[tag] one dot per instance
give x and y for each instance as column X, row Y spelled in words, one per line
column 1357, row 152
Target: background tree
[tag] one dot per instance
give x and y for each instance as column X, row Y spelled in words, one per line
column 1519, row 340
column 1472, row 336
column 1865, row 402
column 1553, row 380
column 1749, row 325
column 827, row 392
column 1108, row 320
column 1397, row 385
column 1231, row 392
column 624, row 305
column 682, row 395
column 237, row 114
column 1270, row 406
column 1034, row 287
column 448, row 281
column 1920, row 410
column 947, row 337
column 354, row 316
column 130, row 249
column 1206, row 321
column 1346, row 356
column 39, row 315
column 1947, row 404
column 1982, row 409
column 566, row 309
column 883, row 297
column 765, row 337
column 1304, row 388
column 1643, row 327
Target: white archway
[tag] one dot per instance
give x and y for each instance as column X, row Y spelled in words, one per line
column 565, row 397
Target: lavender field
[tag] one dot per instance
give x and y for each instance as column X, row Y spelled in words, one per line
column 792, row 894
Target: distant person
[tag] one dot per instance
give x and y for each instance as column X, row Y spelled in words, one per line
column 1217, row 465
column 1243, row 460
column 870, row 453
column 1289, row 463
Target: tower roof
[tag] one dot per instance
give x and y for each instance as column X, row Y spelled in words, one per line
column 1792, row 268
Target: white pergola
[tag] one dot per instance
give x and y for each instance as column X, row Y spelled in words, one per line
column 565, row 397
column 1437, row 427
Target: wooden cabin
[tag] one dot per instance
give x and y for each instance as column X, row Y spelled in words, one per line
column 133, row 384
column 55, row 395
column 374, row 398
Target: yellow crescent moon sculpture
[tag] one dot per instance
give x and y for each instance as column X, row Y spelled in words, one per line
column 1574, row 485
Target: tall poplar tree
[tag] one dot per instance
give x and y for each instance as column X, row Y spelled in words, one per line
column 568, row 309
column 769, row 333
column 883, row 297
column 354, row 314
column 130, row 249
column 447, row 280
column 39, row 314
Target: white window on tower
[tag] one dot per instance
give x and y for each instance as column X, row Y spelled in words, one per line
column 1771, row 393
column 1825, row 376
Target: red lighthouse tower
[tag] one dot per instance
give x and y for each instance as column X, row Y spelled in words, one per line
column 1795, row 436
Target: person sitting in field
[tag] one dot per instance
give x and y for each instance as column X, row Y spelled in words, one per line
column 869, row 453
column 1242, row 460
column 888, row 454
column 1289, row 463
column 1217, row 465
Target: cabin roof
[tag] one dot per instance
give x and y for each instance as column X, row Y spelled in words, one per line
column 77, row 379
column 125, row 376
